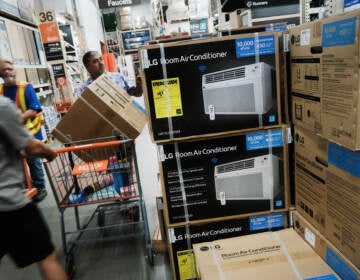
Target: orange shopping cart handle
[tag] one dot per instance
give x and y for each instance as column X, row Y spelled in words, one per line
column 88, row 146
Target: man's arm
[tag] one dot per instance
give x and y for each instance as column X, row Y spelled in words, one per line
column 138, row 89
column 28, row 114
column 17, row 135
column 32, row 103
column 36, row 148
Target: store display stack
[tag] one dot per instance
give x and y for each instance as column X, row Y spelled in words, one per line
column 325, row 101
column 215, row 111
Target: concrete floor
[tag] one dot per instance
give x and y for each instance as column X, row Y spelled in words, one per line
column 119, row 259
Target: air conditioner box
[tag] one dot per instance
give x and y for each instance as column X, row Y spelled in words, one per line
column 181, row 238
column 212, row 178
column 182, row 105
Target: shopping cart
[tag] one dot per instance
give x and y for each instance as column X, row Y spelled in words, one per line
column 103, row 176
column 30, row 191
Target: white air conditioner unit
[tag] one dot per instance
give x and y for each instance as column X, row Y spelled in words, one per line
column 248, row 179
column 242, row 90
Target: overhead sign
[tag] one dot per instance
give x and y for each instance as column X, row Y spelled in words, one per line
column 50, row 35
column 269, row 3
column 104, row 4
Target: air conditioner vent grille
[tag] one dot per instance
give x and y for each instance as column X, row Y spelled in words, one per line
column 239, row 165
column 225, row 75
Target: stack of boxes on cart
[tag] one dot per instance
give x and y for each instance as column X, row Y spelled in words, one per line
column 325, row 112
column 217, row 110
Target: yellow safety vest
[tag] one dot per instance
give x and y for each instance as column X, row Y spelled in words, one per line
column 33, row 125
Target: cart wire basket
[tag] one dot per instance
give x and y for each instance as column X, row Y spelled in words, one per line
column 102, row 175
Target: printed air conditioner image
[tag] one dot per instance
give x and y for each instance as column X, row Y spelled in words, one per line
column 242, row 90
column 248, row 179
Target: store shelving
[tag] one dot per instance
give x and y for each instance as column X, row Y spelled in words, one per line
column 133, row 39
column 113, row 42
column 312, row 10
column 157, row 13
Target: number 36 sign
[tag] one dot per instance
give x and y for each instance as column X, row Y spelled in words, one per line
column 50, row 35
column 46, row 16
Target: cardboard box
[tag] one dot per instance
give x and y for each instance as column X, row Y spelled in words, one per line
column 325, row 249
column 343, row 201
column 325, row 84
column 201, row 87
column 269, row 255
column 327, row 183
column 182, row 238
column 311, row 163
column 237, row 175
column 102, row 108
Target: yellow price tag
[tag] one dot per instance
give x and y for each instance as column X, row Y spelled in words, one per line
column 186, row 263
column 167, row 98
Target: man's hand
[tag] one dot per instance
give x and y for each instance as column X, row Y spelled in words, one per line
column 52, row 155
column 37, row 148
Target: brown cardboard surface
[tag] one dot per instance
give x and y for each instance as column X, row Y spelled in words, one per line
column 325, row 83
column 101, row 109
column 327, row 195
column 343, row 212
column 325, row 249
column 269, row 255
column 310, row 174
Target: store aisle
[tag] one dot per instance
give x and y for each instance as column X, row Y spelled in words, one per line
column 122, row 259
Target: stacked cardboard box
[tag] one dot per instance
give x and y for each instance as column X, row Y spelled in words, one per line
column 214, row 110
column 325, row 98
column 325, row 83
column 325, row 249
column 327, row 190
column 101, row 110
column 182, row 238
column 269, row 255
column 220, row 185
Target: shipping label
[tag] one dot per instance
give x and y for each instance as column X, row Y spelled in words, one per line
column 338, row 85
